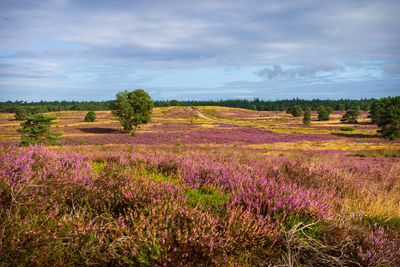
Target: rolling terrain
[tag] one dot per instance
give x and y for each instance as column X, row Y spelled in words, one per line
column 201, row 186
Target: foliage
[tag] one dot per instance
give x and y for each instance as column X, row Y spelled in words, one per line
column 386, row 114
column 307, row 116
column 90, row 116
column 351, row 115
column 257, row 104
column 323, row 113
column 22, row 112
column 340, row 107
column 174, row 102
column 36, row 130
column 295, row 110
column 347, row 128
column 133, row 108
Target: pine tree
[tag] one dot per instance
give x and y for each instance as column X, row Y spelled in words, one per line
column 36, row 130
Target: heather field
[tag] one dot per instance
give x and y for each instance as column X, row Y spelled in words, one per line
column 201, row 186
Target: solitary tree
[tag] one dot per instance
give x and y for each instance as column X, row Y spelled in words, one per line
column 351, row 115
column 36, row 130
column 323, row 113
column 386, row 114
column 133, row 108
column 307, row 116
column 90, row 116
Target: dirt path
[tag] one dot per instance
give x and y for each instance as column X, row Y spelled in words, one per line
column 197, row 112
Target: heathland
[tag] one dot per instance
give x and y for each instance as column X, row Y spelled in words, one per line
column 201, row 186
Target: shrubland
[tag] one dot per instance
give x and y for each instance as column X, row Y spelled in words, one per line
column 195, row 206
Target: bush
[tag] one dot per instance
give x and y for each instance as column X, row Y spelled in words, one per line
column 307, row 116
column 90, row 116
column 351, row 115
column 295, row 110
column 346, row 128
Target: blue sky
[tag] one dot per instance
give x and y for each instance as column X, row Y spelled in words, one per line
column 90, row 50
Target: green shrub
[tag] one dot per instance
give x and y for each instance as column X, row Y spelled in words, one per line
column 351, row 115
column 90, row 116
column 295, row 110
column 347, row 128
column 307, row 116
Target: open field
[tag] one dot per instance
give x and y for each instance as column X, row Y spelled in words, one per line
column 201, row 186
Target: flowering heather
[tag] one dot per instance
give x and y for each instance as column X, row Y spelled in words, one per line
column 254, row 188
column 216, row 136
column 162, row 208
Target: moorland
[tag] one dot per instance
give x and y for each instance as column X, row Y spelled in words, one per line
column 201, row 186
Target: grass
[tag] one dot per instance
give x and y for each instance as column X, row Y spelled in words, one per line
column 387, row 153
column 206, row 198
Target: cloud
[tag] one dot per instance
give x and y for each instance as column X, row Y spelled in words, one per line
column 308, row 71
column 101, row 42
column 391, row 69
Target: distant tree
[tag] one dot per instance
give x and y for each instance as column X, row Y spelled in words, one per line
column 174, row 102
column 90, row 116
column 386, row 114
column 133, row 108
column 323, row 113
column 340, row 107
column 307, row 116
column 36, row 130
column 351, row 115
column 22, row 112
column 295, row 110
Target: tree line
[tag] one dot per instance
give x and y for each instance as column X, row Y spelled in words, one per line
column 255, row 104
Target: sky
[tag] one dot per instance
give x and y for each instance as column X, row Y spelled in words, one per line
column 199, row 50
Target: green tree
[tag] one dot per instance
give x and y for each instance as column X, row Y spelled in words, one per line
column 386, row 114
column 22, row 112
column 296, row 111
column 351, row 115
column 133, row 108
column 36, row 130
column 340, row 107
column 174, row 102
column 307, row 116
column 90, row 116
column 323, row 113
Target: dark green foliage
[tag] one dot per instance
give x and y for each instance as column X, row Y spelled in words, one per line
column 307, row 116
column 344, row 128
column 259, row 104
column 323, row 113
column 36, row 130
column 386, row 114
column 351, row 115
column 340, row 107
column 295, row 110
column 173, row 103
column 133, row 108
column 22, row 112
column 90, row 116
